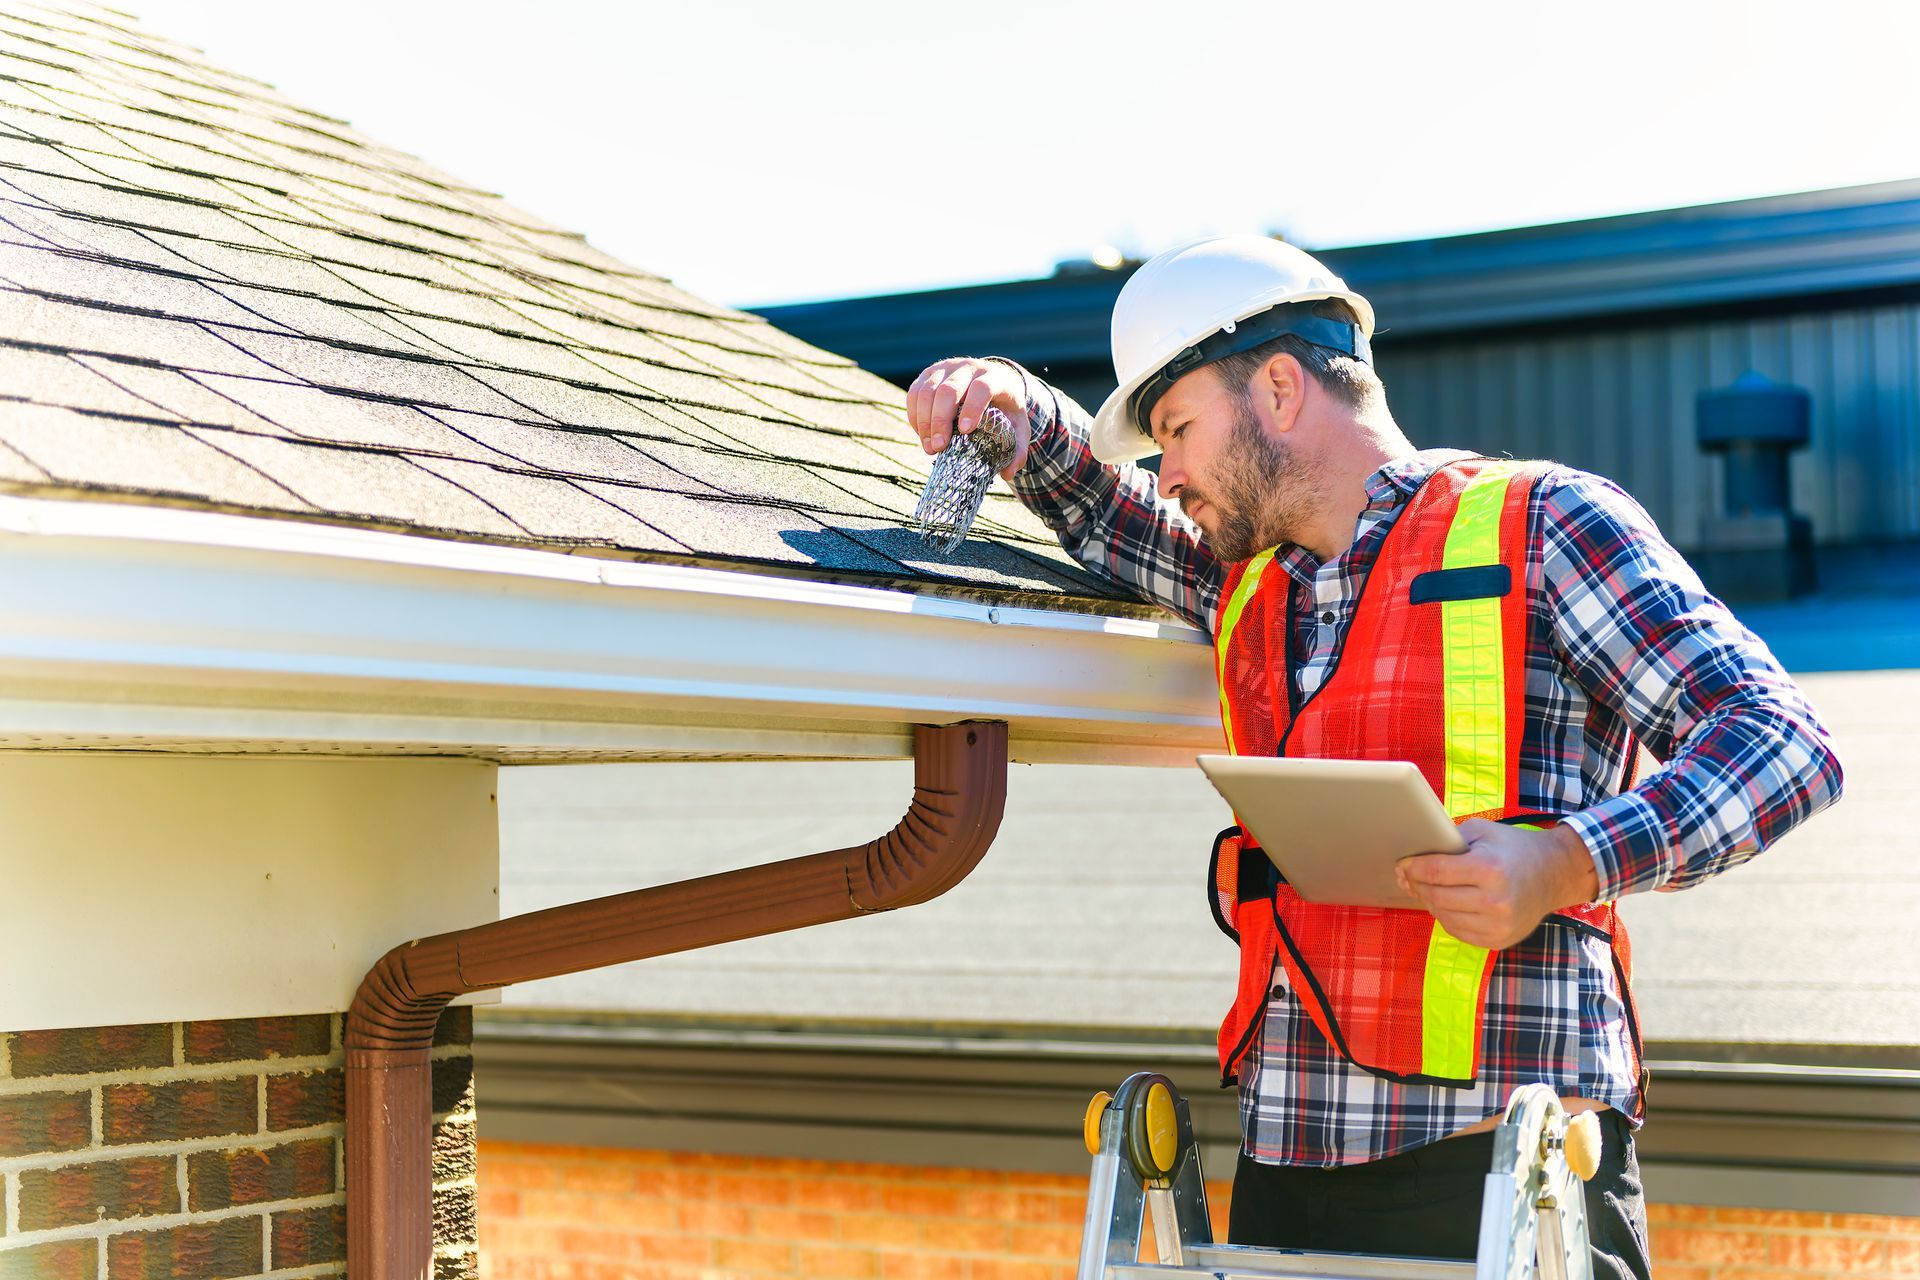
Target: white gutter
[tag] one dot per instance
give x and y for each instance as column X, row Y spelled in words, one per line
column 131, row 627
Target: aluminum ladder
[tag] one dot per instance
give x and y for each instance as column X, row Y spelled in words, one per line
column 1533, row 1220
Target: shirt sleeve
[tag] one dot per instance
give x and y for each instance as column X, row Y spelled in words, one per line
column 1112, row 518
column 1745, row 757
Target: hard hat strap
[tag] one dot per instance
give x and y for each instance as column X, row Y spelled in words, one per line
column 1295, row 318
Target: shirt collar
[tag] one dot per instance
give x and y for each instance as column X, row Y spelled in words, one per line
column 1402, row 478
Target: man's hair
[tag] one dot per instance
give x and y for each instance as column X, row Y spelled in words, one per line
column 1352, row 381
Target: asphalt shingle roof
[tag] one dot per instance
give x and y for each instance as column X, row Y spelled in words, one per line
column 212, row 296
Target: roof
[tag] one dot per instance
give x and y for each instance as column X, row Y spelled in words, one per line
column 216, row 298
column 1086, row 920
column 1849, row 241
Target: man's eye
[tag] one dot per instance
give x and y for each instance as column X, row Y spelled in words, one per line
column 1177, row 432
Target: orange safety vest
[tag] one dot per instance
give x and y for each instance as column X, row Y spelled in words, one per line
column 1432, row 670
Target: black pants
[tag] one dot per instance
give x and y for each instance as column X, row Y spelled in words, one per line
column 1426, row 1203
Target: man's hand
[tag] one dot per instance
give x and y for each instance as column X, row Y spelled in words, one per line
column 1505, row 884
column 951, row 395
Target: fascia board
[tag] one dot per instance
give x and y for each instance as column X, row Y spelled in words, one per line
column 148, row 628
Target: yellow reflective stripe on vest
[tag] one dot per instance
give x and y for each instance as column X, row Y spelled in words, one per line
column 1473, row 670
column 1450, row 999
column 1229, row 618
column 1474, row 675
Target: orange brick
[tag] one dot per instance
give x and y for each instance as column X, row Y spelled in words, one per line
column 708, row 1160
column 673, row 1184
column 797, row 1225
column 1875, row 1224
column 921, row 1202
column 838, row 1264
column 1798, row 1221
column 1070, row 1183
column 755, row 1255
column 635, row 1213
column 595, row 1242
column 514, row 1174
column 1005, row 1269
column 529, row 1239
column 596, row 1175
column 845, row 1194
column 1722, row 1248
column 702, row 1218
column 921, row 1266
column 1685, row 1273
column 965, row 1237
column 1661, row 1214
column 1046, row 1242
column 1038, row 1209
column 677, row 1250
column 878, row 1228
column 752, row 1189
column 1829, row 1253
column 999, row 1204
column 498, row 1204
column 1903, row 1257
column 559, row 1206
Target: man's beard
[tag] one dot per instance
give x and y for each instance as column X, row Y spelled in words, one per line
column 1255, row 491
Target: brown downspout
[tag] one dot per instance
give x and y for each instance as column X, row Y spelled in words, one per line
column 959, row 794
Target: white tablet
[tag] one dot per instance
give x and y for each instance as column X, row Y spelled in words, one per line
column 1335, row 828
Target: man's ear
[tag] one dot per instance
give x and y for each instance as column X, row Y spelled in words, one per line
column 1282, row 387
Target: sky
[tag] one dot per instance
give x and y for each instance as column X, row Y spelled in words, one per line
column 779, row 152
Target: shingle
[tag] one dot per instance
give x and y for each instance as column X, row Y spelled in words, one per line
column 763, row 479
column 529, row 355
column 809, row 446
column 311, row 317
column 555, row 509
column 417, row 297
column 102, row 239
column 676, row 385
column 740, row 531
column 975, row 561
column 601, row 410
column 858, row 419
column 140, row 174
column 92, row 280
column 575, row 453
column 889, row 497
column 326, row 365
column 755, row 333
column 601, row 335
column 98, row 200
column 110, row 453
column 46, row 378
column 28, row 319
column 26, row 155
column 313, row 414
column 177, row 395
column 15, row 468
column 259, row 267
column 757, row 369
column 376, row 486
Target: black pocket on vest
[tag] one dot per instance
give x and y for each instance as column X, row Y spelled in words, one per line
column 1475, row 582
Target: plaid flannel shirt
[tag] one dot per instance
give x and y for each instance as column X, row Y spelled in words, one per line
column 1626, row 644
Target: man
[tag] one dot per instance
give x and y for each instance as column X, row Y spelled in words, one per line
column 1512, row 628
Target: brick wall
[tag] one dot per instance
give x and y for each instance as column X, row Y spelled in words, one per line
column 202, row 1149
column 577, row 1213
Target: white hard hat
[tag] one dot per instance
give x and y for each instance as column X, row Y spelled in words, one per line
column 1185, row 307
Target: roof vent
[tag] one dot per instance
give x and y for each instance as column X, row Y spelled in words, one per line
column 1756, row 548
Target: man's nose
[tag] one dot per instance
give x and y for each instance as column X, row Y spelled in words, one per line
column 1173, row 475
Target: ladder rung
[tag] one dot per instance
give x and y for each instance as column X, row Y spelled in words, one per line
column 1230, row 1262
